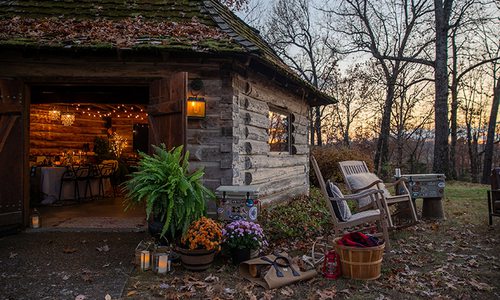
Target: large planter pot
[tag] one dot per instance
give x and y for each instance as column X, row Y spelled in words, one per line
column 240, row 255
column 196, row 260
column 154, row 228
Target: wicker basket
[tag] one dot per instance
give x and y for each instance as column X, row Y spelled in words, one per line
column 360, row 263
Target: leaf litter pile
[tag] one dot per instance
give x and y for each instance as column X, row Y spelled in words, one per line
column 126, row 32
column 450, row 259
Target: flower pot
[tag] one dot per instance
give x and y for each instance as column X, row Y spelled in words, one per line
column 254, row 253
column 240, row 255
column 154, row 228
column 196, row 260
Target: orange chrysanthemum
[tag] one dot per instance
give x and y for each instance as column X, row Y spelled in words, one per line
column 204, row 233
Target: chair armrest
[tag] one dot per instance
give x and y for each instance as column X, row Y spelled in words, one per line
column 368, row 186
column 402, row 182
column 358, row 196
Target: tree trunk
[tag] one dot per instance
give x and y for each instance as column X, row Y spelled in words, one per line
column 382, row 153
column 454, row 109
column 490, row 138
column 442, row 15
column 473, row 156
column 317, row 126
column 311, row 126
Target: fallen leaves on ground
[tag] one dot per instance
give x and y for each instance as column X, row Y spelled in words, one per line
column 69, row 250
column 104, row 248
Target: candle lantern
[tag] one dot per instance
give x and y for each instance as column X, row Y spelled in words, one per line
column 161, row 263
column 145, row 260
column 35, row 219
column 331, row 265
column 196, row 107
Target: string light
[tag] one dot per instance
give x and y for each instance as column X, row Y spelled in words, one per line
column 87, row 110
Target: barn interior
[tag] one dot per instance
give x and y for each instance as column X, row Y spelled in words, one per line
column 83, row 141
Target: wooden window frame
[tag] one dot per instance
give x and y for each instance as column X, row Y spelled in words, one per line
column 288, row 115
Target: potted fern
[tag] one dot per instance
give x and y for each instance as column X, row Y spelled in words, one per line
column 174, row 198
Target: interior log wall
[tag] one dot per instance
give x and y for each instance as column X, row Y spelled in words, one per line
column 49, row 137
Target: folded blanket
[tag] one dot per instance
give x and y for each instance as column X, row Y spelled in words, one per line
column 358, row 239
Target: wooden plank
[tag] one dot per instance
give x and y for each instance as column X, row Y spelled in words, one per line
column 90, row 69
column 254, row 105
column 6, row 124
column 11, row 108
column 263, row 161
column 270, row 174
column 255, row 119
column 165, row 108
column 12, row 154
column 169, row 129
column 256, row 133
column 254, row 148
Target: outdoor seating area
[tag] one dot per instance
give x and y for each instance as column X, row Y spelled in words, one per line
column 248, row 149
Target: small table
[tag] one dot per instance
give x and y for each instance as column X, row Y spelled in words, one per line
column 429, row 187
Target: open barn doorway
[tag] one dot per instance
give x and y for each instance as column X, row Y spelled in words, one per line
column 84, row 140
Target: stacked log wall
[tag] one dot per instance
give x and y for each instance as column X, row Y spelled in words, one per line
column 280, row 175
column 210, row 140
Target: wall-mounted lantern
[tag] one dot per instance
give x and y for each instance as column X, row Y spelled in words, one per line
column 196, row 107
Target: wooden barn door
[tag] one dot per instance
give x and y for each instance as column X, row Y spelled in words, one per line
column 167, row 111
column 13, row 145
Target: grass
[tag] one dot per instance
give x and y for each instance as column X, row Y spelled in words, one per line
column 466, row 202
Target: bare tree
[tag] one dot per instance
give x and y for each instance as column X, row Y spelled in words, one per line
column 473, row 105
column 354, row 92
column 492, row 43
column 291, row 31
column 411, row 113
column 469, row 17
column 389, row 30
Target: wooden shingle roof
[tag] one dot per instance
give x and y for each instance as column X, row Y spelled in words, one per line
column 174, row 25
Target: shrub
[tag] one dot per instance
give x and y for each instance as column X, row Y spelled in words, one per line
column 299, row 217
column 328, row 158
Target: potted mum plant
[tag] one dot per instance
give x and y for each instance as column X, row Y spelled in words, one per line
column 173, row 197
column 200, row 244
column 241, row 238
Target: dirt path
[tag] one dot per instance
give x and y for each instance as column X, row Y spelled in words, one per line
column 63, row 265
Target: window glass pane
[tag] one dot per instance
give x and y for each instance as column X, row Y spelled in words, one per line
column 278, row 131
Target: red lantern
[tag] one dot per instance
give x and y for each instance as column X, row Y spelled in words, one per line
column 331, row 265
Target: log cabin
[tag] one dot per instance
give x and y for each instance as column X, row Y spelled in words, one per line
column 191, row 72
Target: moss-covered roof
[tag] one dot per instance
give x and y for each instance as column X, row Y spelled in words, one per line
column 196, row 25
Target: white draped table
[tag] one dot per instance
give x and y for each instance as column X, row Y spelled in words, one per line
column 51, row 183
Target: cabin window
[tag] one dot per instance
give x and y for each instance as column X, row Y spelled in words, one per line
column 279, row 131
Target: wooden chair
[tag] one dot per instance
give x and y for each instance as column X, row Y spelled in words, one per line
column 106, row 171
column 75, row 175
column 400, row 204
column 494, row 195
column 357, row 221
